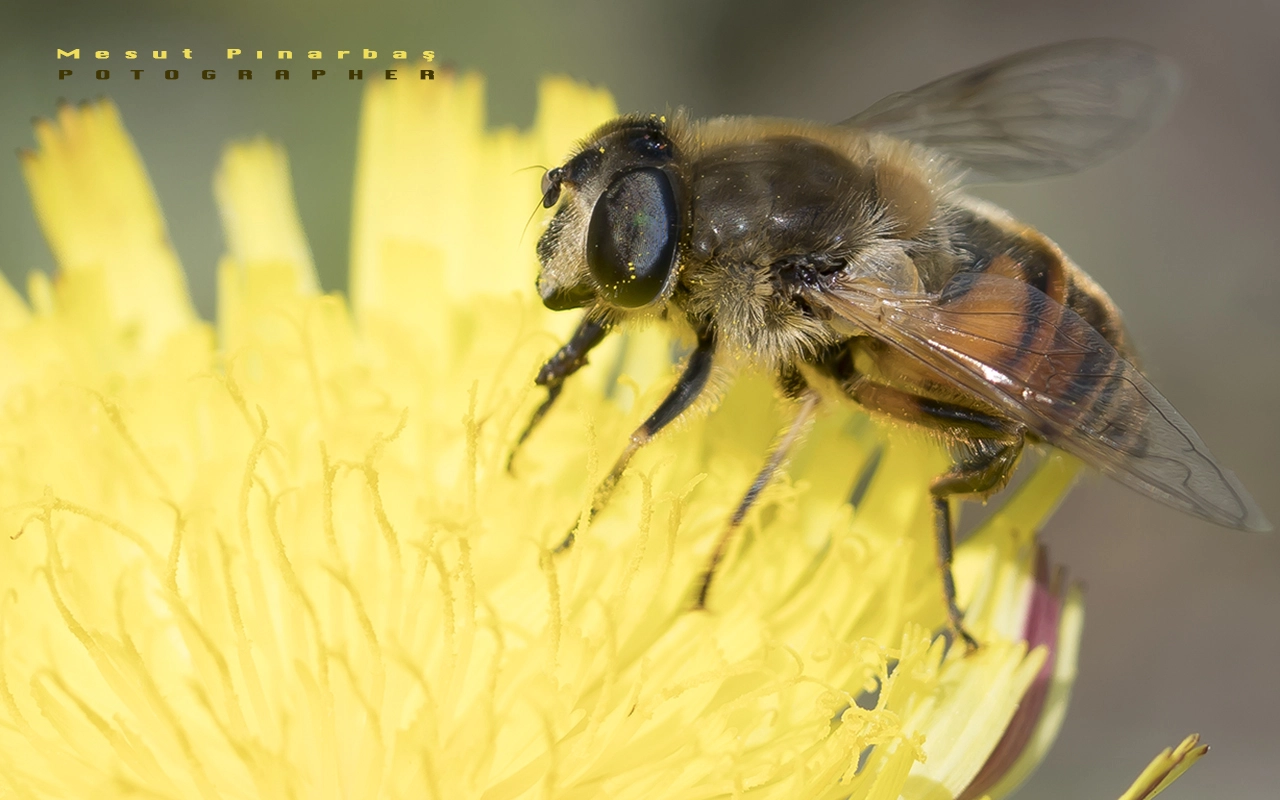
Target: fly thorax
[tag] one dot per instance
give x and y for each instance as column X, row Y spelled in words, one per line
column 754, row 313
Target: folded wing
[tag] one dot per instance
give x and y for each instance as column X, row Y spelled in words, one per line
column 1038, row 361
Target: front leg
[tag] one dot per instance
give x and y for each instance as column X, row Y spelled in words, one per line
column 687, row 389
column 567, row 360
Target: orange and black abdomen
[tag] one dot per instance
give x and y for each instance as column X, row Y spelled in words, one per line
column 1016, row 331
column 998, row 245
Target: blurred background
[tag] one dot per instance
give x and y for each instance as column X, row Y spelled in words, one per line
column 1183, row 627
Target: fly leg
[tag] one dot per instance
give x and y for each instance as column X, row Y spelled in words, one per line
column 567, row 360
column 984, row 470
column 776, row 456
column 687, row 389
column 986, row 450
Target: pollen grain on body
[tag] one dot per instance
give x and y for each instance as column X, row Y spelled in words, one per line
column 280, row 555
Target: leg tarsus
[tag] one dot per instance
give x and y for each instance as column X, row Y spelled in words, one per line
column 945, row 541
column 565, row 544
column 553, row 392
column 567, row 360
column 986, row 469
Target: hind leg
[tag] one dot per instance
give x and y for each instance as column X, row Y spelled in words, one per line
column 986, row 449
column 983, row 471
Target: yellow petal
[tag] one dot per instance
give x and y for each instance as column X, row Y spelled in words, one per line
column 567, row 111
column 99, row 214
column 1065, row 669
column 255, row 198
column 978, row 700
column 438, row 193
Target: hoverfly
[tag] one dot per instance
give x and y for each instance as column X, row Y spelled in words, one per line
column 850, row 255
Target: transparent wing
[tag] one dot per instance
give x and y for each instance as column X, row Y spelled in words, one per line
column 1042, row 364
column 1048, row 111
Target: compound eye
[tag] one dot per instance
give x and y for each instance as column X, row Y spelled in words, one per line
column 631, row 242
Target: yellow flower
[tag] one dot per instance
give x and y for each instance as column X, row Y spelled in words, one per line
column 281, row 557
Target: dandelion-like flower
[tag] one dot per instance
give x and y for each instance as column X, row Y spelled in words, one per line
column 281, row 556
